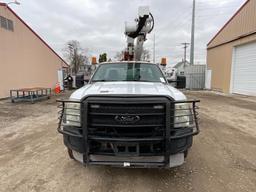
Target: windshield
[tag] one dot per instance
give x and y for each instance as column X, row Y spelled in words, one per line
column 128, row 72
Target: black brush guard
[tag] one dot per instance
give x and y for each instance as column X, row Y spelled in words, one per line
column 149, row 131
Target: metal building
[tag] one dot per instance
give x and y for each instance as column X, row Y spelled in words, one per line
column 231, row 54
column 26, row 60
column 195, row 76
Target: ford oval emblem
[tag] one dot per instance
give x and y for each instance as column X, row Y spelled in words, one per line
column 127, row 119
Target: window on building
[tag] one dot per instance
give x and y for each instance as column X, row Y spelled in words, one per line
column 6, row 23
column 3, row 22
column 10, row 24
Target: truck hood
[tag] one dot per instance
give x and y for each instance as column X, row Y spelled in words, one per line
column 128, row 88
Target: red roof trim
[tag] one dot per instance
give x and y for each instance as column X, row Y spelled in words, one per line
column 236, row 13
column 4, row 4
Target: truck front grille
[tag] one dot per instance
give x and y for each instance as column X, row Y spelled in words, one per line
column 126, row 120
column 126, row 126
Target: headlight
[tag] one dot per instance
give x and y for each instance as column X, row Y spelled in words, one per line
column 182, row 115
column 72, row 114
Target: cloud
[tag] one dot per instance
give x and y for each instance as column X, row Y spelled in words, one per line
column 99, row 24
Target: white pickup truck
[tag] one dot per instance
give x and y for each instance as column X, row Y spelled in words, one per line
column 128, row 115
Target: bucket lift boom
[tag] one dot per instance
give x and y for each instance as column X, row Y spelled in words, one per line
column 136, row 33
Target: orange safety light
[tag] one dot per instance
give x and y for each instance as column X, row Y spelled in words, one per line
column 163, row 61
column 94, row 60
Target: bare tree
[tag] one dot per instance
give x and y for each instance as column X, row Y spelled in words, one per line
column 146, row 55
column 118, row 56
column 75, row 55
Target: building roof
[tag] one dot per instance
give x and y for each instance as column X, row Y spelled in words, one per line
column 5, row 5
column 180, row 63
column 225, row 25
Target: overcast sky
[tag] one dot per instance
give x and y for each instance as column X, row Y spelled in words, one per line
column 99, row 24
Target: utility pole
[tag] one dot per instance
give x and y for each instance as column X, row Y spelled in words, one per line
column 185, row 52
column 192, row 34
column 154, row 49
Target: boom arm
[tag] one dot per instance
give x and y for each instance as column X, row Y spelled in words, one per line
column 137, row 32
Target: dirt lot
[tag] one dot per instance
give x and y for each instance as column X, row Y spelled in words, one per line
column 223, row 157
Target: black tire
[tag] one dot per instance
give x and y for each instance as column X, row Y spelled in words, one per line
column 185, row 153
column 70, row 154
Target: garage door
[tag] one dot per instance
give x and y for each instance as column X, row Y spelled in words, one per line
column 244, row 69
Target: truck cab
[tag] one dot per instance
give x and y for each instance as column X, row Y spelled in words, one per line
column 128, row 115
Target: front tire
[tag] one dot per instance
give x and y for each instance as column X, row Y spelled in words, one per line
column 70, row 154
column 185, row 154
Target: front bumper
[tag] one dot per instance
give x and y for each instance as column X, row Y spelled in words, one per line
column 178, row 151
column 176, row 145
column 138, row 162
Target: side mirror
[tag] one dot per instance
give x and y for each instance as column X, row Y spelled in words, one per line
column 179, row 83
column 171, row 81
column 86, row 81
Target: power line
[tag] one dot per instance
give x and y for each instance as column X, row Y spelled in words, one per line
column 180, row 13
column 213, row 8
column 182, row 18
column 182, row 22
column 213, row 1
column 213, row 15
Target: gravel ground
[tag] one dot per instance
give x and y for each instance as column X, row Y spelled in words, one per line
column 222, row 158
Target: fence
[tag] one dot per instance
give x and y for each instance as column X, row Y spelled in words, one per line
column 195, row 76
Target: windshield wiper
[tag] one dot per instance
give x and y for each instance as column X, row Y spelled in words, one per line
column 100, row 80
column 137, row 80
column 104, row 80
column 140, row 80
